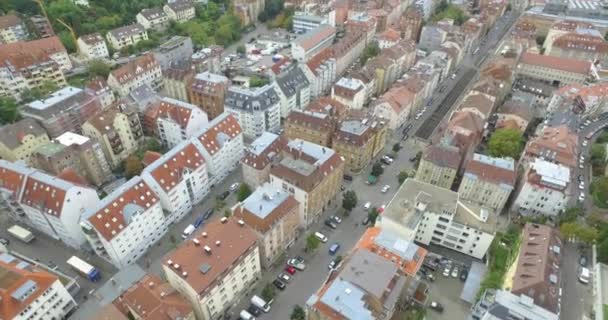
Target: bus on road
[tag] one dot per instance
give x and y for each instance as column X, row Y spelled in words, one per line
column 84, row 268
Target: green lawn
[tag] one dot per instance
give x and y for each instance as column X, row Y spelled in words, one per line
column 502, row 253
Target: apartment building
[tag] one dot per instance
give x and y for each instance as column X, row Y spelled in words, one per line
column 153, row 18
column 313, row 42
column 124, row 224
column 256, row 109
column 320, row 71
column 180, row 11
column 427, row 214
column 388, row 38
column 273, row 214
column 126, row 36
column 176, row 121
column 248, row 11
column 31, row 292
column 304, row 22
column 555, row 144
column 348, row 49
column 179, row 178
column 431, row 37
column 495, row 304
column 12, row 29
column 555, row 70
column 395, row 106
column 312, row 174
column 27, row 65
column 259, row 157
column 223, row 147
column 64, row 110
column 216, row 267
column 516, row 113
column 176, row 82
column 367, row 287
column 439, row 165
column 208, row 91
column 117, row 130
column 488, row 181
column 92, row 46
column 151, row 298
column 411, row 23
column 99, row 88
column 312, row 126
column 143, row 70
column 350, row 92
column 42, row 26
column 293, row 89
column 545, row 189
column 48, row 204
column 19, row 140
column 357, row 141
column 175, row 52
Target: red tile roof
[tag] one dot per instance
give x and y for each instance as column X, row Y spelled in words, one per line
column 314, row 37
column 390, row 34
column 133, row 69
column 11, row 180
column 175, row 111
column 551, row 62
column 581, row 42
column 168, row 170
column 226, row 125
column 45, row 193
column 23, row 54
column 555, row 144
column 72, row 176
column 316, row 61
column 442, row 155
column 149, row 157
column 262, row 158
column 9, row 20
column 493, row 174
column 109, row 220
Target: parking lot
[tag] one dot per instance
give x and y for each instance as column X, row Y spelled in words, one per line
column 446, row 291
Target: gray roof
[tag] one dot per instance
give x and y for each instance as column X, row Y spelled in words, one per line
column 292, row 81
column 392, row 242
column 127, row 31
column 58, row 102
column 11, row 134
column 509, row 306
column 180, row 5
column 368, row 271
column 141, row 97
column 264, row 200
column 153, row 13
column 251, row 99
column 262, row 142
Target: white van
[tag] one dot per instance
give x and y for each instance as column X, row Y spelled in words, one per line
column 321, row 236
column 188, row 231
column 584, row 276
column 244, row 315
column 260, row 303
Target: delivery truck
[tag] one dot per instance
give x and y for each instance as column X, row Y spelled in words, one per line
column 84, row 268
column 21, row 233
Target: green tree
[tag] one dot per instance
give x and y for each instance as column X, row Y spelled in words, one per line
column 219, row 204
column 68, row 42
column 506, row 143
column 9, row 112
column 349, row 200
column 133, row 166
column 598, row 154
column 372, row 215
column 540, row 40
column 227, row 213
column 268, row 293
column 372, row 50
column 602, row 250
column 569, row 229
column 377, row 169
column 297, row 313
column 570, row 215
column 98, row 68
column 396, row 147
column 257, row 81
column 599, row 192
column 243, row 192
column 312, row 242
column 241, row 49
column 402, row 176
column 587, row 235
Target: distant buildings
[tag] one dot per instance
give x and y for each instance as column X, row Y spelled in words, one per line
column 33, row 292
column 248, row 11
column 12, row 29
column 126, row 36
column 304, row 22
column 19, row 140
column 64, row 110
column 545, row 189
column 216, row 267
column 257, row 109
column 273, row 214
column 174, row 52
column 49, row 204
column 153, row 18
column 259, row 157
column 313, row 42
column 124, row 224
column 92, row 46
column 180, row 11
column 555, row 70
column 495, row 305
column 208, row 91
column 143, row 70
column 312, row 174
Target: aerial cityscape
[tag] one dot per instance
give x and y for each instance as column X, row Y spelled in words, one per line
column 304, row 159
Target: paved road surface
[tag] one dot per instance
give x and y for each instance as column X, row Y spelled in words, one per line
column 576, row 297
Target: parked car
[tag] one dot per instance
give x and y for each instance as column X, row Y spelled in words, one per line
column 254, row 310
column 208, row 214
column 284, row 277
column 385, row 188
column 234, row 186
column 455, row 272
column 583, row 261
column 367, row 205
column 330, row 223
column 446, row 270
column 347, row 177
column 4, row 241
column 336, row 219
column 436, row 306
column 334, row 263
column 464, row 274
column 334, row 248
column 290, row 269
column 297, row 263
column 223, row 195
column 365, row 221
column 279, row 284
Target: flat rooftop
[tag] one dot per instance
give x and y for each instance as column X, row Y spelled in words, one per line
column 262, row 142
column 69, row 138
column 264, row 200
column 473, row 215
column 54, row 98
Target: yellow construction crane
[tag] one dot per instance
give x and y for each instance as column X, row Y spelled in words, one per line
column 72, row 33
column 41, row 5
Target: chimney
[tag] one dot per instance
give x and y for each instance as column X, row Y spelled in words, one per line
column 241, row 223
column 218, row 242
column 207, row 249
column 151, row 284
column 224, row 219
column 196, row 242
column 176, row 266
column 184, row 274
column 169, row 262
column 204, row 234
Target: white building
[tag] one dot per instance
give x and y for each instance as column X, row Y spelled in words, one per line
column 321, row 73
column 178, row 121
column 179, row 178
column 30, row 292
column 350, row 92
column 143, row 70
column 308, row 45
column 180, row 11
column 223, row 147
column 126, row 36
column 427, row 214
column 125, row 223
column 49, row 204
column 293, row 89
column 545, row 189
column 92, row 46
column 304, row 22
column 257, row 109
column 153, row 18
column 12, row 29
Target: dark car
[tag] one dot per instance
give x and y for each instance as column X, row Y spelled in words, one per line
column 224, row 195
column 208, row 214
column 365, row 221
column 583, row 261
column 254, row 310
column 464, row 273
column 199, row 221
column 330, row 224
column 279, row 284
column 4, row 241
column 347, row 177
column 436, row 306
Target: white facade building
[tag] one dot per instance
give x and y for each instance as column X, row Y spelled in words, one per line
column 179, row 178
column 125, row 223
column 178, row 121
column 143, row 70
column 350, row 92
column 47, row 203
column 321, row 73
column 304, row 22
column 92, row 46
column 180, row 11
column 153, row 18
column 222, row 146
column 430, row 214
column 293, row 89
column 308, row 45
column 545, row 189
column 126, row 36
column 257, row 109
